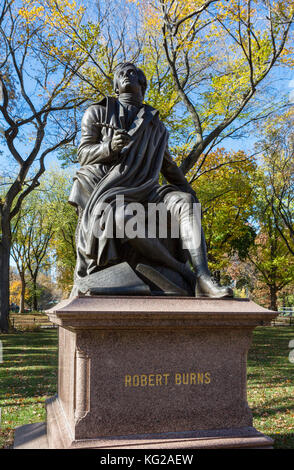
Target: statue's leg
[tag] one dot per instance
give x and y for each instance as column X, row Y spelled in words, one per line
column 181, row 208
column 183, row 213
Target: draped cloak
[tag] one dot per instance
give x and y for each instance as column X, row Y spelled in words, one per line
column 133, row 174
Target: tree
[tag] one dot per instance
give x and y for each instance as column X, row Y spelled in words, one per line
column 33, row 228
column 208, row 64
column 45, row 291
column 219, row 55
column 44, row 235
column 269, row 255
column 277, row 147
column 224, row 184
column 62, row 244
column 18, row 253
column 90, row 35
column 37, row 116
column 15, row 292
column 40, row 231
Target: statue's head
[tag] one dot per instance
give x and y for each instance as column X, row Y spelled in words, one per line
column 129, row 79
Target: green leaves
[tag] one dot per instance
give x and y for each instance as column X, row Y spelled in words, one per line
column 224, row 186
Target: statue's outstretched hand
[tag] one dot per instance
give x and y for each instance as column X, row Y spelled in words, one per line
column 119, row 140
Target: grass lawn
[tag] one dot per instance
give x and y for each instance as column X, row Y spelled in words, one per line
column 28, row 376
column 270, row 387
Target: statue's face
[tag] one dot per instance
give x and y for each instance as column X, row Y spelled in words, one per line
column 128, row 80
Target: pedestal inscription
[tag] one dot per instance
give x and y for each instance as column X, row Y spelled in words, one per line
column 157, row 380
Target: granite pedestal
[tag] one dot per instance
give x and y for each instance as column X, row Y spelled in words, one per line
column 153, row 372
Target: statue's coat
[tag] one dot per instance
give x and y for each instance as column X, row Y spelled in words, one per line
column 135, row 176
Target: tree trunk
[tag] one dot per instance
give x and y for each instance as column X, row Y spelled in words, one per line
column 273, row 297
column 35, row 297
column 22, row 293
column 5, row 244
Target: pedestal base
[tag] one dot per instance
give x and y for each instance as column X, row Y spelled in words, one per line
column 155, row 373
column 34, row 436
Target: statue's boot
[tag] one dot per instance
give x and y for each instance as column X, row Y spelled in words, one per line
column 205, row 285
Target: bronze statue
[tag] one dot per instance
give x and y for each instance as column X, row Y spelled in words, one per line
column 123, row 150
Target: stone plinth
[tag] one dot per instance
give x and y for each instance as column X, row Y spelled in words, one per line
column 153, row 372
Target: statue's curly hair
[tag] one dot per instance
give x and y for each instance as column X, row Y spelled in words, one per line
column 141, row 76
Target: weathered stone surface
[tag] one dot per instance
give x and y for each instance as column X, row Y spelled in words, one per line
column 144, row 371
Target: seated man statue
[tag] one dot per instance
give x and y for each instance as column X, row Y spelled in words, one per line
column 122, row 152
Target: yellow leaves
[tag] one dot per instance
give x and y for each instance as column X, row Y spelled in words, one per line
column 54, row 13
column 234, row 10
column 181, row 8
column 278, row 125
column 60, row 23
column 174, row 11
column 226, row 163
column 287, row 56
column 53, row 50
column 152, row 19
column 30, row 15
column 236, row 36
column 283, row 8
